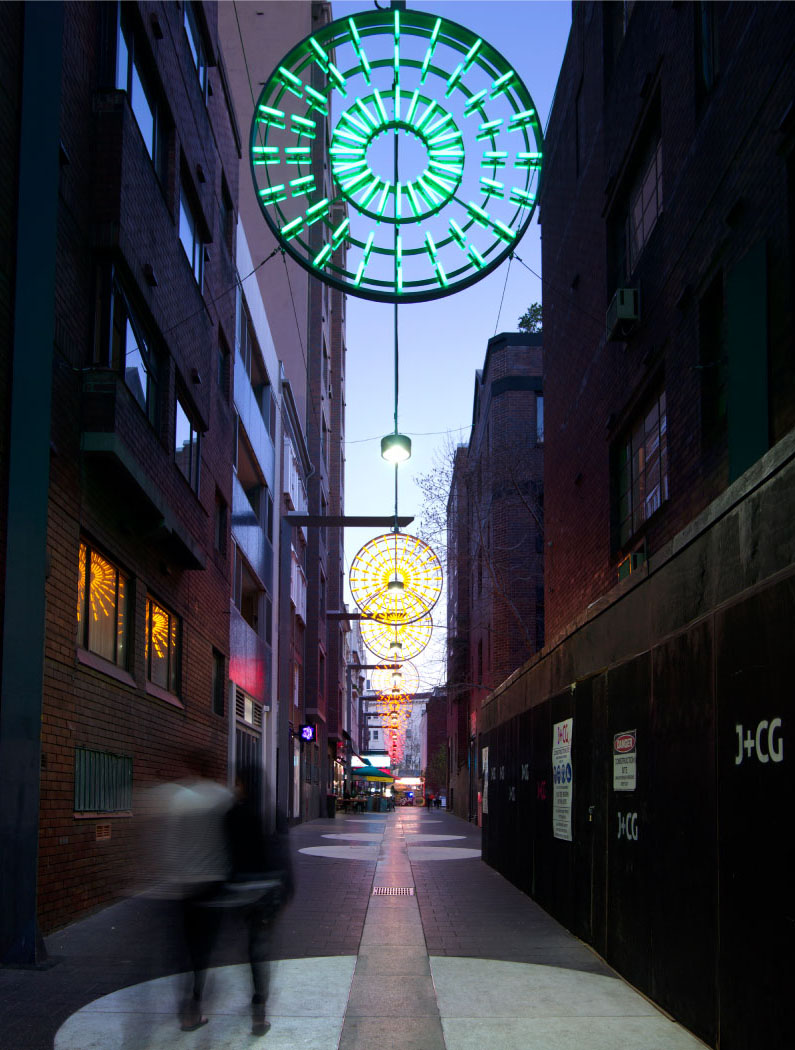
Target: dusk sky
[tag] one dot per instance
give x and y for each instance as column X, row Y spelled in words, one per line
column 442, row 343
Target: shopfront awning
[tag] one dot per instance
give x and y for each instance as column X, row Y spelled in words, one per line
column 373, row 774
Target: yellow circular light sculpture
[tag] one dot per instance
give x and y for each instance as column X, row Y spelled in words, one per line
column 393, row 678
column 396, row 578
column 397, row 642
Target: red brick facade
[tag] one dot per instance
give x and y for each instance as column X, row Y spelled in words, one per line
column 115, row 482
column 495, row 545
column 714, row 272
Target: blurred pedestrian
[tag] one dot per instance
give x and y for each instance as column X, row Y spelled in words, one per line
column 261, row 882
column 190, row 862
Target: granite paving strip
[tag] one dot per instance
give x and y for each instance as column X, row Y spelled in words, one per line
column 392, row 1000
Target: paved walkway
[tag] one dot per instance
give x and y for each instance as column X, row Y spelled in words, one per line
column 398, row 938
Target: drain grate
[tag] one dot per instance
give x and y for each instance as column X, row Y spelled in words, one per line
column 393, row 891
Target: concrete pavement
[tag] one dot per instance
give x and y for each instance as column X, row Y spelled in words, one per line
column 399, row 937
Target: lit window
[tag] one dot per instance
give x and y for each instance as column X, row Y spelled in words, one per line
column 196, row 46
column 645, row 205
column 162, row 646
column 187, row 446
column 643, row 471
column 102, row 607
column 190, row 238
column 130, row 77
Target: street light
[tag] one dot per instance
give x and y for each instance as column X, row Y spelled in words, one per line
column 396, row 448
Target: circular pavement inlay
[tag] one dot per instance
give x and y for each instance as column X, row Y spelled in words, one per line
column 368, row 853
column 441, row 853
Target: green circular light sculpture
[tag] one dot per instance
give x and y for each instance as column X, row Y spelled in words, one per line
column 435, row 151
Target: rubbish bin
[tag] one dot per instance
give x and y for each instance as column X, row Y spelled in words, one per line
column 331, row 805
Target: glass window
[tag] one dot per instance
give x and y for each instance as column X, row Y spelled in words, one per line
column 131, row 77
column 102, row 607
column 642, row 479
column 196, row 46
column 645, row 205
column 539, row 419
column 121, row 344
column 186, row 446
column 219, row 683
column 162, row 646
column 190, row 238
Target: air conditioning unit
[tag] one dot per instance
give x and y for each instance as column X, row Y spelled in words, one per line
column 623, row 313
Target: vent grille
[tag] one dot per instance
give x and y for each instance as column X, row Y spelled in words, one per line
column 248, row 710
column 103, row 832
column 393, row 891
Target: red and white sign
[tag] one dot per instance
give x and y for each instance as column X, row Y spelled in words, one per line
column 625, row 769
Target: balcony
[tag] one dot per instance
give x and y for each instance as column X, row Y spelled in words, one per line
column 248, row 409
column 120, row 447
column 249, row 659
column 249, row 534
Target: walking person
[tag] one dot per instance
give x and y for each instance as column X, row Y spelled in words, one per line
column 261, row 880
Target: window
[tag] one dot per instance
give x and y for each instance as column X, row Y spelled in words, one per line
column 645, row 205
column 706, row 47
column 162, row 646
column 712, row 364
column 222, row 365
column 643, row 471
column 219, row 683
column 132, row 78
column 102, row 607
column 247, row 593
column 103, row 781
column 190, row 238
column 121, row 342
column 186, row 446
column 539, row 419
column 221, row 522
column 196, row 46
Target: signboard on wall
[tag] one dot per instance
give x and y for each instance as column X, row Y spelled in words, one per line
column 625, row 770
column 563, row 779
column 484, row 763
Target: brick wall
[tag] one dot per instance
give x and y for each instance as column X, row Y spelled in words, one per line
column 114, row 209
column 725, row 188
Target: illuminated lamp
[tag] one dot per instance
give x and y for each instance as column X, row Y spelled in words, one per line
column 396, row 448
column 471, row 132
column 396, row 578
column 393, row 679
column 397, row 642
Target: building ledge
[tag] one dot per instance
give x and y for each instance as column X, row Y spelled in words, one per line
column 110, row 447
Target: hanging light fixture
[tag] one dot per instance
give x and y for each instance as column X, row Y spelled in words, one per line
column 396, row 448
column 390, row 677
column 397, row 642
column 396, row 578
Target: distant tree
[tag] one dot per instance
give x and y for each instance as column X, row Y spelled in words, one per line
column 530, row 321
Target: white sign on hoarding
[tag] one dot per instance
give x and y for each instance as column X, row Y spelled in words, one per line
column 562, row 779
column 484, row 762
column 625, row 770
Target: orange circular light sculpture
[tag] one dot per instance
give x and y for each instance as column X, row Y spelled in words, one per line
column 395, row 678
column 397, row 641
column 396, row 578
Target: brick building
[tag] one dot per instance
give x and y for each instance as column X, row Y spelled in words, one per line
column 667, row 216
column 124, row 166
column 495, row 546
